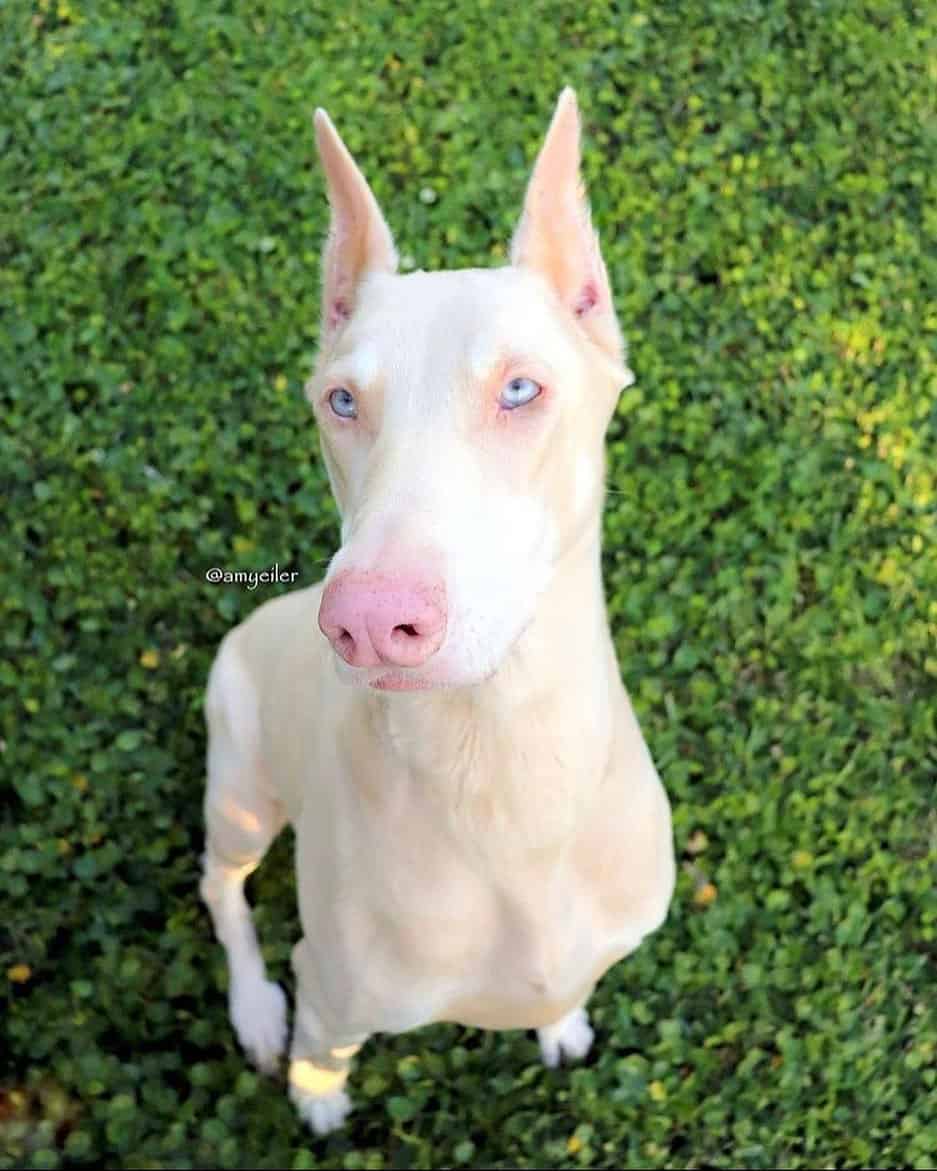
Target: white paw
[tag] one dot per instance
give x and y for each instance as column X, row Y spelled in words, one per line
column 258, row 1013
column 323, row 1113
column 570, row 1039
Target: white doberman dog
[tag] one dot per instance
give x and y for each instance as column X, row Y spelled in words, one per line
column 480, row 829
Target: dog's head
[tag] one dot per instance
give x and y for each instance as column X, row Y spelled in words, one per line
column 462, row 416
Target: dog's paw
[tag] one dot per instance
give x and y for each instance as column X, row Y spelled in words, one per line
column 322, row 1113
column 258, row 1013
column 570, row 1039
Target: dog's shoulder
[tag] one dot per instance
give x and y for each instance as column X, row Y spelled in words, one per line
column 272, row 631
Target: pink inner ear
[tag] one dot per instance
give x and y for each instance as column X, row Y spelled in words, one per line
column 338, row 312
column 588, row 299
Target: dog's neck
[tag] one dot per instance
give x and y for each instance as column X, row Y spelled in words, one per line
column 522, row 751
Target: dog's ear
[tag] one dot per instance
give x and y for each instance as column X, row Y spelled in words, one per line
column 555, row 236
column 359, row 239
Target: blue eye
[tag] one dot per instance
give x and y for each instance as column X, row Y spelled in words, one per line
column 343, row 403
column 519, row 392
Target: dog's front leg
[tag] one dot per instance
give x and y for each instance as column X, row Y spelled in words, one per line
column 317, row 1077
column 319, row 1062
column 317, row 1087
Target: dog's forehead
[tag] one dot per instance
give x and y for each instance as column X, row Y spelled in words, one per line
column 455, row 322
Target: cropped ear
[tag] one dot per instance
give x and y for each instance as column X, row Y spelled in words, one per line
column 359, row 240
column 555, row 238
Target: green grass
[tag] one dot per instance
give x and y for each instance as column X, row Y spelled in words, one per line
column 763, row 178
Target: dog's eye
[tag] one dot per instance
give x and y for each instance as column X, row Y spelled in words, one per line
column 343, row 403
column 519, row 392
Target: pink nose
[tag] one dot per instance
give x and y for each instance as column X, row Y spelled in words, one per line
column 374, row 620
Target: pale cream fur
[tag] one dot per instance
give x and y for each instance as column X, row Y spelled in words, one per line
column 483, row 850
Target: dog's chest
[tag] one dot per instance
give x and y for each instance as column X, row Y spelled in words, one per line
column 497, row 906
column 550, row 939
column 443, row 937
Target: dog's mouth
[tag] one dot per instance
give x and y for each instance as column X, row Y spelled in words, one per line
column 388, row 678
